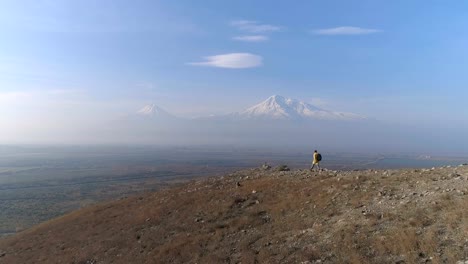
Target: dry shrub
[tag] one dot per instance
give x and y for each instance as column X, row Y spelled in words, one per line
column 311, row 253
column 398, row 242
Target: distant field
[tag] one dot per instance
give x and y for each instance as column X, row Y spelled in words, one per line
column 40, row 183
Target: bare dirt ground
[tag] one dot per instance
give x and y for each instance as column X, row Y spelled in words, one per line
column 267, row 216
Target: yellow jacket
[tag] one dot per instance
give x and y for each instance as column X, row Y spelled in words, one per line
column 315, row 158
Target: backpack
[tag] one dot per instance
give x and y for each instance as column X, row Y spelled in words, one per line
column 319, row 157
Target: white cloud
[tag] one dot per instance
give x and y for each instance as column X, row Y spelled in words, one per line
column 345, row 31
column 251, row 38
column 231, row 60
column 254, row 26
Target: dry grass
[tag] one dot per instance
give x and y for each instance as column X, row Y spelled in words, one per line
column 273, row 217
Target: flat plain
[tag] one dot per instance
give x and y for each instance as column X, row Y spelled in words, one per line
column 41, row 183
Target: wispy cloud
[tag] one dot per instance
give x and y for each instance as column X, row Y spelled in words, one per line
column 319, row 102
column 251, row 38
column 345, row 31
column 63, row 91
column 11, row 96
column 231, row 60
column 146, row 85
column 20, row 97
column 58, row 16
column 254, row 26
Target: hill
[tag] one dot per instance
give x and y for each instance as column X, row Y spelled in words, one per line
column 267, row 216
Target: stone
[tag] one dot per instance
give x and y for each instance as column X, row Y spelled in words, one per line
column 265, row 166
column 283, row 168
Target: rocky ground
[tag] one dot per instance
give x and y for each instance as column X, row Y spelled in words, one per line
column 264, row 215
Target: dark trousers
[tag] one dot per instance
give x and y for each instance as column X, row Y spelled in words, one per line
column 313, row 165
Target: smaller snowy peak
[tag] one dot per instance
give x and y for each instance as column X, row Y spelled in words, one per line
column 147, row 109
column 153, row 110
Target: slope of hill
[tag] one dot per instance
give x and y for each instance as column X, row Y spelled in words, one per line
column 267, row 216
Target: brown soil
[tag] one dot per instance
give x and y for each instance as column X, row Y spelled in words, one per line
column 394, row 216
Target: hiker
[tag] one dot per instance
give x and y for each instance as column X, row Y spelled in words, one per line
column 316, row 161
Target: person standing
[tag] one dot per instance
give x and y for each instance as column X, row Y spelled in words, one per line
column 316, row 160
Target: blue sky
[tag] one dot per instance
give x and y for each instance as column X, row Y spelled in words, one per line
column 397, row 61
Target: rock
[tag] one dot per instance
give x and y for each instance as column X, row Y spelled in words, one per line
column 265, row 166
column 400, row 260
column 283, row 168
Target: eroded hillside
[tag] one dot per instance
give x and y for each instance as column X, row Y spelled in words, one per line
column 267, row 216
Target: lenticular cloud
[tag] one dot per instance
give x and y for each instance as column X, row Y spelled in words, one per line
column 231, row 60
column 346, row 31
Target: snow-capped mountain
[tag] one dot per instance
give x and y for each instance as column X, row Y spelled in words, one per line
column 278, row 107
column 152, row 110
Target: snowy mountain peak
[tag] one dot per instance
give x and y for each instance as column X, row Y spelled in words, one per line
column 279, row 107
column 152, row 110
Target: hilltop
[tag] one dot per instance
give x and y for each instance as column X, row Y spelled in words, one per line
column 267, row 216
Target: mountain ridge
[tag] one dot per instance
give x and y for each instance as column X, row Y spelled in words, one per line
column 274, row 108
column 279, row 107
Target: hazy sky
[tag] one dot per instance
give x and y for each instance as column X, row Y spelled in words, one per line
column 64, row 63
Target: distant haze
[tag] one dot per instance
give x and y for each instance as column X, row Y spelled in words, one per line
column 384, row 76
column 277, row 122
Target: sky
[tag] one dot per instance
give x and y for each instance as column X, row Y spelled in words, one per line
column 64, row 63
